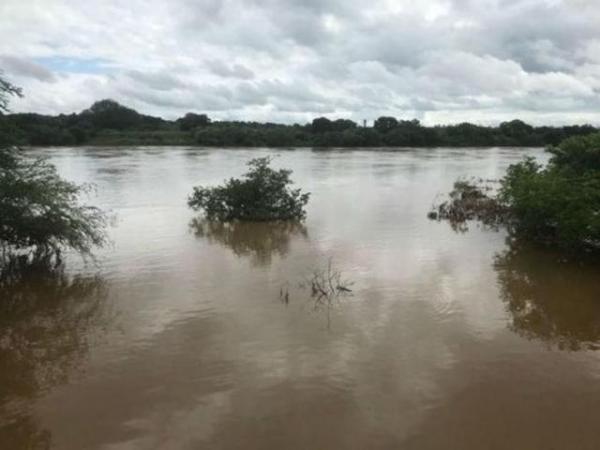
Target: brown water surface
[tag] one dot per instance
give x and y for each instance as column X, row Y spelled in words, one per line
column 182, row 336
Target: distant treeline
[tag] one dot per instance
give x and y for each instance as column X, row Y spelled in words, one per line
column 109, row 123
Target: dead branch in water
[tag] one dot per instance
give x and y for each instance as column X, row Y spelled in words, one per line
column 326, row 285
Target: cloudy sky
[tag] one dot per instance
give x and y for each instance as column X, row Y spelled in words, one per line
column 441, row 61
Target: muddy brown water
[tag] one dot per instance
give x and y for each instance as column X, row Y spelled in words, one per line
column 179, row 336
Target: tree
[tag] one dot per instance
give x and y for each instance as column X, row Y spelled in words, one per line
column 321, row 125
column 577, row 154
column 262, row 194
column 554, row 205
column 385, row 124
column 7, row 89
column 516, row 129
column 40, row 213
column 343, row 125
column 192, row 120
column 108, row 123
column 110, row 114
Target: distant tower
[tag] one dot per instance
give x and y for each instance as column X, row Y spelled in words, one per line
column 364, row 123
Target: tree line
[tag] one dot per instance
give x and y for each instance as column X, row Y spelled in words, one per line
column 107, row 122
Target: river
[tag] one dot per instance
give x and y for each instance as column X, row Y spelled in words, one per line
column 191, row 335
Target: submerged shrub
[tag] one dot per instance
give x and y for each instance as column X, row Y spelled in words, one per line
column 471, row 200
column 262, row 194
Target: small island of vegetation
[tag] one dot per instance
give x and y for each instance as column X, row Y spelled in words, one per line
column 261, row 195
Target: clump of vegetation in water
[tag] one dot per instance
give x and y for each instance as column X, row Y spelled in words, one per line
column 558, row 204
column 262, row 194
column 40, row 212
column 470, row 200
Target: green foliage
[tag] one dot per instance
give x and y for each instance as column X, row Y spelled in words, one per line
column 518, row 131
column 559, row 204
column 343, row 125
column 40, row 212
column 110, row 114
column 191, row 121
column 385, row 124
column 579, row 154
column 108, row 123
column 262, row 194
column 321, row 125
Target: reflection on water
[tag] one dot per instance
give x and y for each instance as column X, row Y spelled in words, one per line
column 258, row 240
column 23, row 432
column 46, row 317
column 550, row 299
column 205, row 356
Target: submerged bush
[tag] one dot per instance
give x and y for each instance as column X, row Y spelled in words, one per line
column 40, row 213
column 557, row 205
column 262, row 194
column 471, row 200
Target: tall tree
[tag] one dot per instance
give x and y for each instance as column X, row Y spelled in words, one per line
column 385, row 124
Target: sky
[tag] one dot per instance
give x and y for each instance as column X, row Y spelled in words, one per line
column 287, row 61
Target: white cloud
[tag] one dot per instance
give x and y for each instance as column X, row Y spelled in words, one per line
column 290, row 60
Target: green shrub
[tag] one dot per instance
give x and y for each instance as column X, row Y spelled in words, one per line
column 578, row 154
column 262, row 194
column 553, row 205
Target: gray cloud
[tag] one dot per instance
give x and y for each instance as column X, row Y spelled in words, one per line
column 20, row 67
column 234, row 71
column 289, row 60
column 160, row 81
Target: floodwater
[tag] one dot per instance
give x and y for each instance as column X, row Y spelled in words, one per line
column 191, row 335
